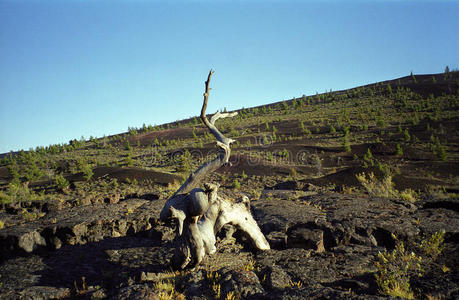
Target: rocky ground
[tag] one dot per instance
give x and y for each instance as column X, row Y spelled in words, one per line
column 355, row 190
column 324, row 246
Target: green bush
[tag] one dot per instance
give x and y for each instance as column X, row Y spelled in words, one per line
column 384, row 187
column 185, row 162
column 332, row 130
column 434, row 245
column 84, row 167
column 406, row 135
column 14, row 169
column 438, row 149
column 32, row 172
column 376, row 187
column 236, row 184
column 285, row 153
column 285, row 105
column 128, row 159
column 368, row 159
column 399, row 150
column 409, row 195
column 128, row 146
column 17, row 192
column 346, row 142
column 62, row 183
column 394, row 269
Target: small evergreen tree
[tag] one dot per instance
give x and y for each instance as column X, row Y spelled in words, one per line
column 399, row 150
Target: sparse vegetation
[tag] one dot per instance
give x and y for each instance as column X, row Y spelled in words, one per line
column 62, row 183
column 236, row 184
column 213, row 279
column 394, row 269
column 306, row 149
column 346, row 141
column 432, row 246
column 399, row 151
column 376, row 187
column 384, row 187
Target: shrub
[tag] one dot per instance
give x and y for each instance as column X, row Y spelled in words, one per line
column 381, row 121
column 415, row 119
column 406, row 135
column 284, row 154
column 389, row 89
column 434, row 245
column 267, row 126
column 29, row 216
column 166, row 290
column 294, row 103
column 14, row 169
column 332, row 129
column 384, row 187
column 346, row 142
column 408, row 195
column 17, row 192
column 85, row 168
column 438, row 149
column 62, row 184
column 399, row 150
column 128, row 159
column 132, row 131
column 236, row 184
column 32, row 172
column 285, row 105
column 128, row 146
column 368, row 159
column 115, row 183
column 393, row 269
column 376, row 187
column 185, row 162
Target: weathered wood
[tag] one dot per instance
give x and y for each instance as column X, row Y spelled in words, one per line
column 201, row 213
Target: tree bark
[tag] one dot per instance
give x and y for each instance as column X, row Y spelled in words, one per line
column 201, row 213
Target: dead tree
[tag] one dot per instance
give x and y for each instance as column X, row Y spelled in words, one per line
column 200, row 213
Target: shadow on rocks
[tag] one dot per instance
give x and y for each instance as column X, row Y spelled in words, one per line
column 107, row 265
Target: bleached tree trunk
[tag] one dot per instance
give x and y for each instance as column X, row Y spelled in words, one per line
column 199, row 212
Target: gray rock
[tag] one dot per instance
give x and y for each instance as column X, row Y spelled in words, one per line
column 138, row 291
column 44, row 292
column 82, row 224
column 277, row 239
column 275, row 277
column 29, row 241
column 324, row 242
column 301, row 237
column 241, row 282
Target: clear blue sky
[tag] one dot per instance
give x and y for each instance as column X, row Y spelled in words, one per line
column 73, row 68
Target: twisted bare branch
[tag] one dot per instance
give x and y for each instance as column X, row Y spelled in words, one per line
column 201, row 213
column 223, row 143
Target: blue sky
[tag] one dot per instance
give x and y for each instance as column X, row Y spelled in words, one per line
column 73, row 68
